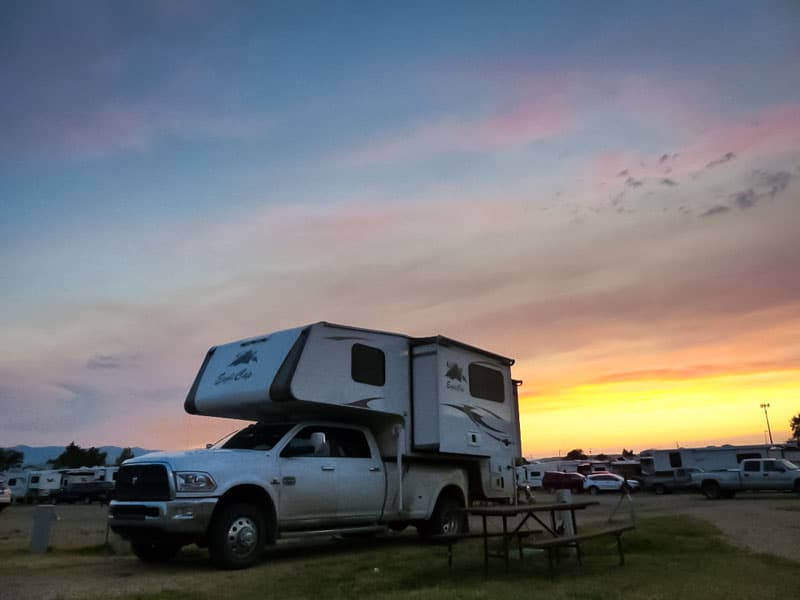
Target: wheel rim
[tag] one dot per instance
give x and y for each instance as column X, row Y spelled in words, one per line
column 450, row 523
column 242, row 536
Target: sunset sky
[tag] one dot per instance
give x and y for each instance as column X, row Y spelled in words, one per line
column 607, row 192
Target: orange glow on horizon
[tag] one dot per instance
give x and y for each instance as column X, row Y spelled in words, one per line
column 659, row 413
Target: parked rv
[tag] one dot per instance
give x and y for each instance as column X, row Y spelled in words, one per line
column 354, row 431
column 17, row 481
column 44, row 486
column 6, row 496
column 770, row 474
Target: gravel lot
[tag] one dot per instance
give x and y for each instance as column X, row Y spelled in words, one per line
column 80, row 568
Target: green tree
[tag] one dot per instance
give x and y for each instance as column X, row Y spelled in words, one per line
column 576, row 454
column 795, row 425
column 74, row 456
column 628, row 454
column 601, row 456
column 10, row 458
column 123, row 456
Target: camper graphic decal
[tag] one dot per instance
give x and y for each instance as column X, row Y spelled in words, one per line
column 244, row 358
column 491, row 423
column 455, row 377
column 364, row 402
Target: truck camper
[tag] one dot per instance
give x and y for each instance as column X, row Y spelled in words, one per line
column 353, row 430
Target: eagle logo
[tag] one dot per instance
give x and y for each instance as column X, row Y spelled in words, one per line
column 454, row 372
column 244, row 358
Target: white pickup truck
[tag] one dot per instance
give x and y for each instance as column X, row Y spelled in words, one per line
column 353, row 431
column 755, row 474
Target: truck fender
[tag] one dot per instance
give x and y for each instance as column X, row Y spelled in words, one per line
column 257, row 496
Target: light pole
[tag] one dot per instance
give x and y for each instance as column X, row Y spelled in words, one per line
column 766, row 416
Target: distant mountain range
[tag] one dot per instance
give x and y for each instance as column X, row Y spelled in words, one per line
column 37, row 456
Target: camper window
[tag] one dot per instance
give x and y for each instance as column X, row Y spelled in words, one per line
column 743, row 455
column 368, row 365
column 35, row 479
column 675, row 460
column 485, row 383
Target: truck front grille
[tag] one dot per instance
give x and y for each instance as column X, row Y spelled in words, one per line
column 142, row 482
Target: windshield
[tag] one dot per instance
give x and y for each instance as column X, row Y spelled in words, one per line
column 259, row 436
column 789, row 465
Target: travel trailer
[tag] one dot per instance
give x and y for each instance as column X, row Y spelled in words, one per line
column 709, row 458
column 17, row 481
column 44, row 486
column 353, row 431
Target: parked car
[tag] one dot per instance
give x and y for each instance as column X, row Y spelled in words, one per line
column 608, row 482
column 556, row 480
column 665, row 482
column 5, row 495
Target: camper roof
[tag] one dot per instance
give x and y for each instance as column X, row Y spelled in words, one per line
column 420, row 341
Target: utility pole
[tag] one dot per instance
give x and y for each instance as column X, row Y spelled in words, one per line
column 766, row 416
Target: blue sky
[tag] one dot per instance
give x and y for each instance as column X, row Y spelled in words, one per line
column 178, row 174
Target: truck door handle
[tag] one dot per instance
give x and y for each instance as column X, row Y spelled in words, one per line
column 327, row 468
column 374, row 469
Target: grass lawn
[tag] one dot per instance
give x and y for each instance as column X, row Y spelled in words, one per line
column 670, row 557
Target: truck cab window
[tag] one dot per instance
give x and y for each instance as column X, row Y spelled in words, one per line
column 339, row 442
column 259, row 436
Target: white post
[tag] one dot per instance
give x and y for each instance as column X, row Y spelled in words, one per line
column 565, row 497
column 400, row 433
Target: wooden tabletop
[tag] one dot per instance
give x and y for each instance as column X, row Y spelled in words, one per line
column 520, row 509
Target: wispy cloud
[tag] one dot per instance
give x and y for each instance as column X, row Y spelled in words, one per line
column 727, row 157
column 533, row 121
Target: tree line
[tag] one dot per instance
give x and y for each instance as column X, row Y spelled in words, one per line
column 73, row 457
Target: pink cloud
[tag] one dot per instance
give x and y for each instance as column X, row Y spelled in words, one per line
column 525, row 124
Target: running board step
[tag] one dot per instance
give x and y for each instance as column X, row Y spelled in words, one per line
column 337, row 531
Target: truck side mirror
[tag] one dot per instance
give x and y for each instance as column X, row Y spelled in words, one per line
column 209, row 446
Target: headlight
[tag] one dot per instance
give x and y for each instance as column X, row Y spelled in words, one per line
column 194, row 481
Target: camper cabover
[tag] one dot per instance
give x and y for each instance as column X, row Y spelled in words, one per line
column 352, row 430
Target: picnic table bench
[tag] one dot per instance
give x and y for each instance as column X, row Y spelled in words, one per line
column 552, row 545
column 451, row 539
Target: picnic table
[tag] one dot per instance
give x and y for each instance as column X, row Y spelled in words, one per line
column 528, row 512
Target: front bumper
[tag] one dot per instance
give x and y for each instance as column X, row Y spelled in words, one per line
column 180, row 517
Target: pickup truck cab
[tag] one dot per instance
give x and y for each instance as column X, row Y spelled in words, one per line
column 756, row 474
column 273, row 480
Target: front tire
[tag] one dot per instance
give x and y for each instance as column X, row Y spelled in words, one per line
column 154, row 553
column 660, row 489
column 594, row 491
column 237, row 536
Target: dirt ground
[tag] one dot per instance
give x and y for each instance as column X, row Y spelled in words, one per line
column 79, row 566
